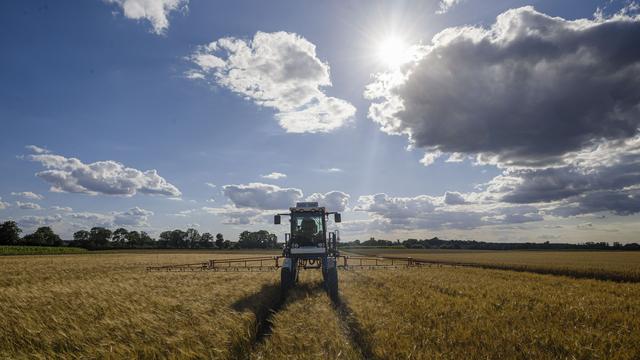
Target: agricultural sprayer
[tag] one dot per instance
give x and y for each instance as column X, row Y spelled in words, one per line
column 308, row 245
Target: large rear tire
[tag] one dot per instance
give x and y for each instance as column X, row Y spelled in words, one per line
column 331, row 283
column 286, row 280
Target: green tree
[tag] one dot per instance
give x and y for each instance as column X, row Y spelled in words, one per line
column 120, row 237
column 81, row 238
column 206, row 240
column 99, row 237
column 261, row 239
column 219, row 241
column 133, row 239
column 165, row 239
column 146, row 240
column 43, row 236
column 193, row 238
column 178, row 239
column 9, row 233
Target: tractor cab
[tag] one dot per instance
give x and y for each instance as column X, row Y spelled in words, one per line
column 308, row 235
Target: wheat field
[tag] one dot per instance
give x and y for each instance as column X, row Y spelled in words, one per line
column 105, row 305
column 604, row 265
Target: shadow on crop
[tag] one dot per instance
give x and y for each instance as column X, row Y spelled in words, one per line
column 265, row 304
column 352, row 328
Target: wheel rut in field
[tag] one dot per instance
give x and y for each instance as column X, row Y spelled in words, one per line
column 353, row 329
column 264, row 304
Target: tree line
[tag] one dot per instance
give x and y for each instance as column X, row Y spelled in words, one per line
column 121, row 238
column 435, row 243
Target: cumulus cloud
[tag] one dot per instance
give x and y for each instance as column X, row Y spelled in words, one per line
column 527, row 91
column 101, row 177
column 262, row 196
column 278, row 70
column 154, row 11
column 454, row 198
column 274, row 176
column 333, row 200
column 62, row 208
column 28, row 195
column 3, row 205
column 28, row 205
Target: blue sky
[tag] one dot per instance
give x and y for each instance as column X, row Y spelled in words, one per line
column 111, row 81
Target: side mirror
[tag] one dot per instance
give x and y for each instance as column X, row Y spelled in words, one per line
column 276, row 219
column 337, row 217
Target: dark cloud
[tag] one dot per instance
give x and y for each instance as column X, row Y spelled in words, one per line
column 624, row 202
column 527, row 91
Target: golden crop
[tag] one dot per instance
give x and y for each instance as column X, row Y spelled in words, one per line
column 105, row 305
column 467, row 313
column 604, row 265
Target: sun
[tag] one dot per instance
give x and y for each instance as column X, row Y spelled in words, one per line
column 393, row 52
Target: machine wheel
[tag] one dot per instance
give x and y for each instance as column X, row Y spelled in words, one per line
column 331, row 283
column 286, row 280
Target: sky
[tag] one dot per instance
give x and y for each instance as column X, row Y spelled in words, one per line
column 502, row 121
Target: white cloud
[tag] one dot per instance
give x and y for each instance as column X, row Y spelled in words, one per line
column 333, row 200
column 62, row 208
column 428, row 212
column 278, row 70
column 3, row 205
column 36, row 149
column 185, row 213
column 135, row 216
column 155, row 11
column 262, row 196
column 94, row 219
column 101, row 177
column 446, row 5
column 30, row 222
column 238, row 216
column 211, row 185
column 28, row 195
column 274, row 176
column 330, row 170
column 28, row 205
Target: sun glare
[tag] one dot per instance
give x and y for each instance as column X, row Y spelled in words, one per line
column 393, row 52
